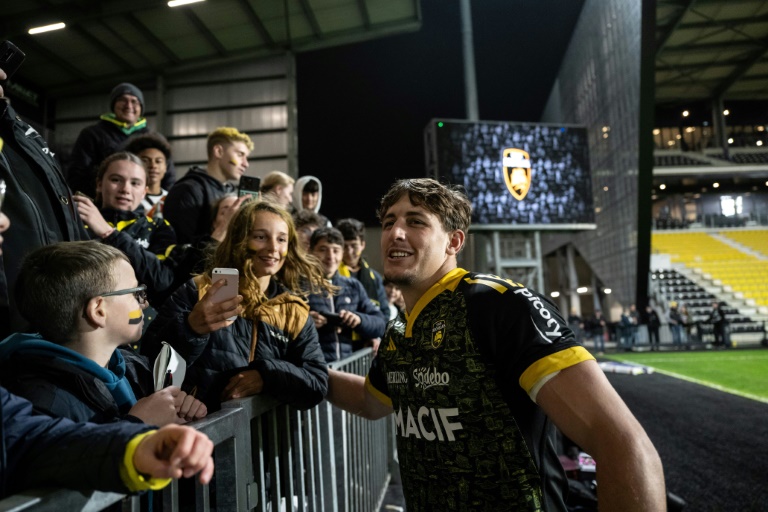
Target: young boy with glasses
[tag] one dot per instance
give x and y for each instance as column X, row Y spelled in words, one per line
column 85, row 304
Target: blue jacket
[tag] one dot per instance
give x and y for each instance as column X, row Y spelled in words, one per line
column 372, row 282
column 37, row 450
column 352, row 297
column 62, row 383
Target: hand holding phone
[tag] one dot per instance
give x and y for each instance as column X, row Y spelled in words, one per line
column 220, row 305
column 10, row 58
column 249, row 185
column 230, row 288
column 333, row 318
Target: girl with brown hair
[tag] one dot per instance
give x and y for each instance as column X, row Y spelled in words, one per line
column 261, row 341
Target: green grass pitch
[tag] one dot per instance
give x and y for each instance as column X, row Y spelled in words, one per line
column 741, row 372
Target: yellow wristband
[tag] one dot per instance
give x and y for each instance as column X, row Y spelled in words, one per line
column 134, row 480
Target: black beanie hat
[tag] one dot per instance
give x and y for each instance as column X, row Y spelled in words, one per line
column 125, row 88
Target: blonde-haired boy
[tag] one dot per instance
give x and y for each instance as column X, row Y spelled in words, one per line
column 189, row 201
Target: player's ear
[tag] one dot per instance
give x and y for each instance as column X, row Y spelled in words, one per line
column 455, row 243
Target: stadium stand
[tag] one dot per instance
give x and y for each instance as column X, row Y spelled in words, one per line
column 717, row 270
column 754, row 239
column 748, row 158
column 676, row 160
column 674, row 286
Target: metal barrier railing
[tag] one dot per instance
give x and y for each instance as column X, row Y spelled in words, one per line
column 269, row 457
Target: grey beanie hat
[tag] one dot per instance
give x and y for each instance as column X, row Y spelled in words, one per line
column 125, row 88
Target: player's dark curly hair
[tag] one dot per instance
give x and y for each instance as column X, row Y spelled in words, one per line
column 448, row 202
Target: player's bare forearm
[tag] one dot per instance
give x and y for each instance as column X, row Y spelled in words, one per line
column 347, row 391
column 586, row 408
column 630, row 476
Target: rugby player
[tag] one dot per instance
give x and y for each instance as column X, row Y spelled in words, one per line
column 480, row 375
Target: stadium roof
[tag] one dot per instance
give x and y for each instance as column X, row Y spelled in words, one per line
column 711, row 48
column 705, row 48
column 108, row 41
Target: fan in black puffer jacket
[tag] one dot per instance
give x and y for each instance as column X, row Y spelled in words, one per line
column 149, row 244
column 288, row 356
column 223, row 363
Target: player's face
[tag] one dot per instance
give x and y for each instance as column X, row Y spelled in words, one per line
column 416, row 250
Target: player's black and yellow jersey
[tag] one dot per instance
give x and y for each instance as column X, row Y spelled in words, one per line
column 462, row 374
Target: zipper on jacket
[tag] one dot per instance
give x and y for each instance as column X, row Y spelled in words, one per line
column 35, row 209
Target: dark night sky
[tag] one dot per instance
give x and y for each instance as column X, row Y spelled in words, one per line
column 362, row 108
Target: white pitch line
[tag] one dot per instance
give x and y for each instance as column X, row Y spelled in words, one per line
column 710, row 385
column 699, row 359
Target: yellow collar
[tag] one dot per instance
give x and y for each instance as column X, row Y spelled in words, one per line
column 448, row 282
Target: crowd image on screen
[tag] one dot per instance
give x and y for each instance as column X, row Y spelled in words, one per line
column 560, row 190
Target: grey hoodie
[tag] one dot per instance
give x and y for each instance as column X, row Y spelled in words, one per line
column 298, row 189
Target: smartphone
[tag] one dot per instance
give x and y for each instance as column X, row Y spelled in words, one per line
column 333, row 318
column 230, row 289
column 249, row 185
column 2, row 193
column 10, row 58
column 78, row 193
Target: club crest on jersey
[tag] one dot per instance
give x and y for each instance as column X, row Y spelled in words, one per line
column 517, row 172
column 438, row 333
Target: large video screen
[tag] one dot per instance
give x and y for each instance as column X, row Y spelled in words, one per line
column 517, row 175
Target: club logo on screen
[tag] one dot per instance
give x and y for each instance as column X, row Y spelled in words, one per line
column 517, row 172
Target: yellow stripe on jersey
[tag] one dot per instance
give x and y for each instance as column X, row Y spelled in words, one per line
column 551, row 364
column 378, row 395
column 124, row 224
column 448, row 282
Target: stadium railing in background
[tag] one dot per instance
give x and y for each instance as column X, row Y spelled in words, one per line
column 269, row 457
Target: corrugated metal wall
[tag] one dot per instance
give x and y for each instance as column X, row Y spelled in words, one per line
column 255, row 97
column 599, row 86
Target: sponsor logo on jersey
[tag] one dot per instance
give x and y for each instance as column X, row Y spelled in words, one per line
column 428, row 423
column 397, row 378
column 391, row 346
column 426, row 378
column 438, row 333
column 553, row 325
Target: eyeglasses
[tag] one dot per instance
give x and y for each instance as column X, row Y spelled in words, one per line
column 132, row 101
column 140, row 292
